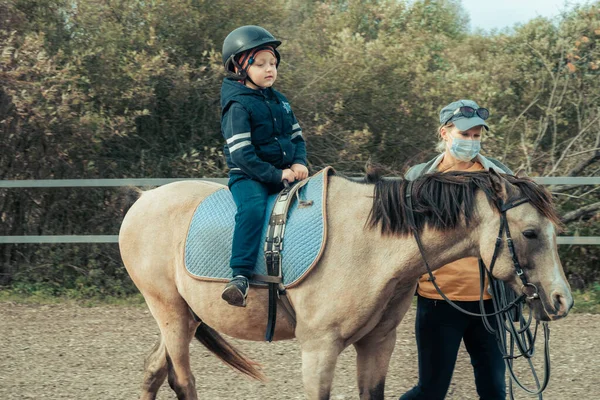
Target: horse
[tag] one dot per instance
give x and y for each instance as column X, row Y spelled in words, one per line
column 363, row 283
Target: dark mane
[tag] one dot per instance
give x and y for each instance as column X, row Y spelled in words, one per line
column 538, row 196
column 441, row 199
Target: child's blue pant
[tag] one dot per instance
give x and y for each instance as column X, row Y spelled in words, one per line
column 250, row 197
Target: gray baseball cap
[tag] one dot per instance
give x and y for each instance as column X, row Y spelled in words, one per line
column 452, row 113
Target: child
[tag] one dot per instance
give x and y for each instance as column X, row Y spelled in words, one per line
column 264, row 144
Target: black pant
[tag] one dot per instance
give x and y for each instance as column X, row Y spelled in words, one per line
column 439, row 329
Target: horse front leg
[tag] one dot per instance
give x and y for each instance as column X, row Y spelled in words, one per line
column 373, row 354
column 374, row 350
column 318, row 366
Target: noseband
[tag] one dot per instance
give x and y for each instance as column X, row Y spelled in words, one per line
column 505, row 311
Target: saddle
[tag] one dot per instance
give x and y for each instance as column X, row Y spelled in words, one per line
column 209, row 240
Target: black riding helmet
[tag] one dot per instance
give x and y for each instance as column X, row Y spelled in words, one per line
column 246, row 38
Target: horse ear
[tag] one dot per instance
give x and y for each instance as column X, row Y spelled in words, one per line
column 498, row 183
column 373, row 172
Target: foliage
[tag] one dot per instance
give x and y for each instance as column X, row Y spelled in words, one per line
column 587, row 301
column 125, row 88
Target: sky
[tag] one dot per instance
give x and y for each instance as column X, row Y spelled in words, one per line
column 498, row 14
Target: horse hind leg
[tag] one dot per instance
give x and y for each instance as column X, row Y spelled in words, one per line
column 171, row 356
column 155, row 370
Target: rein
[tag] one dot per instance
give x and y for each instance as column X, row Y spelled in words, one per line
column 508, row 307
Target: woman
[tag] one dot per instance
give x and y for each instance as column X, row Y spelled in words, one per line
column 439, row 328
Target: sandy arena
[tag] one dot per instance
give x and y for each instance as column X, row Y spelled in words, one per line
column 71, row 352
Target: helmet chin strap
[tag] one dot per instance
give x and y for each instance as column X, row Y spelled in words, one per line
column 252, row 82
column 243, row 73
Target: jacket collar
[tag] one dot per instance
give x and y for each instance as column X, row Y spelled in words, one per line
column 232, row 88
column 487, row 164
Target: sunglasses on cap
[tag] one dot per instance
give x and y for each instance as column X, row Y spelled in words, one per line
column 469, row 112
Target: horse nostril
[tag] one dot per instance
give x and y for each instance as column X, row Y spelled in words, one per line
column 559, row 303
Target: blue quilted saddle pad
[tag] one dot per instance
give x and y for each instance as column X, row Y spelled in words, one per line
column 209, row 240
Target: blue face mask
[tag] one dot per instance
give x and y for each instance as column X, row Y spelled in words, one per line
column 465, row 150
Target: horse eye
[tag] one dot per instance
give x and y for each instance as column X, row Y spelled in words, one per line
column 530, row 234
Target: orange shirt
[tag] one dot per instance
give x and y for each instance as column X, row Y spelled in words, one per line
column 458, row 280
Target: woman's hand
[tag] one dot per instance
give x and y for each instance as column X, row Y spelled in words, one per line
column 300, row 171
column 288, row 175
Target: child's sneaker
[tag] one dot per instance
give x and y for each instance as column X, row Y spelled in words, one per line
column 236, row 291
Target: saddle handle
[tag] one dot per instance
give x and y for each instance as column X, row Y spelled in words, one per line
column 301, row 203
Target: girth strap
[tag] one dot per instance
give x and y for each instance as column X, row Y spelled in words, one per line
column 273, row 247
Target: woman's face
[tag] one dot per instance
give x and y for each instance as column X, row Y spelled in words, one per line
column 451, row 132
column 263, row 70
column 462, row 145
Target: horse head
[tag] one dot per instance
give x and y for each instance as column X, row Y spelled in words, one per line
column 507, row 221
column 521, row 248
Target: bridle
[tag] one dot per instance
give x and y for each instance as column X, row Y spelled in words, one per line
column 508, row 307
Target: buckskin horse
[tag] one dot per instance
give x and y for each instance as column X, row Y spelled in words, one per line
column 363, row 283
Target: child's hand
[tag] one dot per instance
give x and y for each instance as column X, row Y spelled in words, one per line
column 288, row 175
column 300, row 171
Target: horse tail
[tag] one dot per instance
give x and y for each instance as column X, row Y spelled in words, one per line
column 227, row 353
column 129, row 195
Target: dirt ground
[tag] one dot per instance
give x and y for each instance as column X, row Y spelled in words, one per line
column 71, row 352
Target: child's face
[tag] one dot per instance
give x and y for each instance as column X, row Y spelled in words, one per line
column 263, row 70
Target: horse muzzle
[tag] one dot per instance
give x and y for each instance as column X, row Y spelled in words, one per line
column 553, row 307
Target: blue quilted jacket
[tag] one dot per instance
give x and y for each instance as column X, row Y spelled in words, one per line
column 261, row 132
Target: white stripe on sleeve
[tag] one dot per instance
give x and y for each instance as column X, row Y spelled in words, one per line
column 296, row 134
column 245, row 135
column 239, row 146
